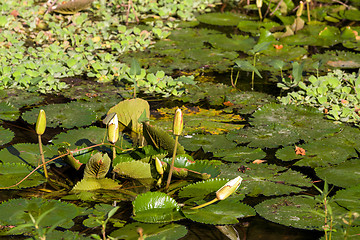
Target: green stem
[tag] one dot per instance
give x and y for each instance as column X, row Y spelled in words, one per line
column 114, row 151
column 260, row 15
column 205, row 204
column 42, row 157
column 253, row 73
column 172, row 163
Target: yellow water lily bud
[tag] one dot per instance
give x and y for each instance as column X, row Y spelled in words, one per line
column 229, row 188
column 178, row 122
column 113, row 129
column 259, row 3
column 159, row 167
column 300, row 9
column 40, row 123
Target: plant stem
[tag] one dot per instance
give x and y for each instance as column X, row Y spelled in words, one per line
column 114, row 151
column 172, row 163
column 253, row 73
column 42, row 157
column 205, row 204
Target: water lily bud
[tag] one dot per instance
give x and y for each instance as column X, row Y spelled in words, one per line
column 113, row 130
column 300, row 9
column 259, row 3
column 178, row 122
column 229, row 188
column 40, row 123
column 159, row 167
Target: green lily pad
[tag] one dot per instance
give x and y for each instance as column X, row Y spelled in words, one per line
column 349, row 198
column 5, row 135
column 209, row 143
column 16, row 212
column 296, row 211
column 134, row 169
column 86, row 136
column 240, row 154
column 66, row 115
column 202, row 189
column 156, row 207
column 220, row 19
column 223, row 212
column 26, row 153
column 276, row 125
column 12, row 173
column 91, row 184
column 235, row 43
column 198, row 120
column 20, row 98
column 185, row 167
column 67, row 235
column 266, row 179
column 8, row 112
column 345, row 174
column 152, row 231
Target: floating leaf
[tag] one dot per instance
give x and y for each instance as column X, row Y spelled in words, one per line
column 134, row 169
column 97, row 166
column 8, row 112
column 5, row 135
column 12, row 173
column 220, row 213
column 296, row 211
column 156, row 207
column 265, row 179
column 67, row 115
column 349, row 198
column 240, row 154
column 203, row 188
column 209, row 143
column 152, row 231
column 91, row 184
column 26, row 153
column 342, row 175
column 16, row 212
column 185, row 167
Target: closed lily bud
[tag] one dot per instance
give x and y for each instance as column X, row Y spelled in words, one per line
column 159, row 167
column 259, row 3
column 300, row 9
column 178, row 122
column 229, row 188
column 113, row 129
column 40, row 123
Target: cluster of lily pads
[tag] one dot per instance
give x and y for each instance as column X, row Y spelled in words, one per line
column 129, row 173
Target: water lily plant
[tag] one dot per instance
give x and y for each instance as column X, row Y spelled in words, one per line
column 224, row 192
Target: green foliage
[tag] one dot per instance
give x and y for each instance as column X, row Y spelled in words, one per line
column 5, row 135
column 156, row 207
column 12, row 173
column 97, row 166
column 337, row 94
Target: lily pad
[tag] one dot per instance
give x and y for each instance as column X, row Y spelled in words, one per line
column 209, row 143
column 296, row 211
column 198, row 120
column 134, row 169
column 156, row 207
column 16, row 212
column 184, row 167
column 8, row 112
column 66, row 115
column 91, row 184
column 12, row 173
column 239, row 154
column 26, row 153
column 5, row 135
column 343, row 175
column 266, row 179
column 349, row 198
column 203, row 188
column 152, row 231
column 223, row 212
column 20, row 98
